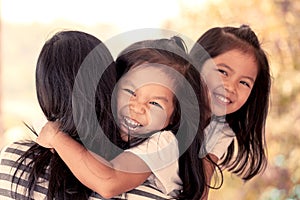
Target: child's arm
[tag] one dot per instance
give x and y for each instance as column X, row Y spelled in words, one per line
column 220, row 135
column 209, row 169
column 106, row 178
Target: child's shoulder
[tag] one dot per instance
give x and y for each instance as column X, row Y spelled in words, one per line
column 216, row 128
column 158, row 140
column 163, row 136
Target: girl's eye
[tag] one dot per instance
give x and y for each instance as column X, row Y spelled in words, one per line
column 155, row 104
column 130, row 92
column 245, row 83
column 222, row 72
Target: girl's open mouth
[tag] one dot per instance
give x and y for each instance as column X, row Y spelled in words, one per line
column 130, row 123
column 222, row 99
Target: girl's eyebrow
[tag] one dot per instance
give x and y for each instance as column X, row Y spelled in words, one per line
column 226, row 66
column 128, row 82
column 161, row 98
column 230, row 69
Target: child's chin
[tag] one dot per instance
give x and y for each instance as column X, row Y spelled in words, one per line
column 219, row 111
column 124, row 137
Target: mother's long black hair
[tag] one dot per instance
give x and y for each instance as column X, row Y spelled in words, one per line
column 58, row 64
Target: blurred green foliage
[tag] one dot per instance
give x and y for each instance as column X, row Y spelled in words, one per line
column 277, row 24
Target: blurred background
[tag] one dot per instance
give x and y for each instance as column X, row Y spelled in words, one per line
column 26, row 25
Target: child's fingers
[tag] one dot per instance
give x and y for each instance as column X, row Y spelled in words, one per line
column 40, row 142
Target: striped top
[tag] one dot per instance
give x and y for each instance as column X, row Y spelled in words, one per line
column 11, row 153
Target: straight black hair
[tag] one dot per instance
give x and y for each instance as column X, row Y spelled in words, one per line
column 58, row 64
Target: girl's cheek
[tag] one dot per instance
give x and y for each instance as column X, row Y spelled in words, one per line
column 159, row 119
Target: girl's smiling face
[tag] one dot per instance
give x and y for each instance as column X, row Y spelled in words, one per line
column 145, row 101
column 236, row 73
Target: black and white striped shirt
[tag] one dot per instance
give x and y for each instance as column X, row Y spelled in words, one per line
column 11, row 153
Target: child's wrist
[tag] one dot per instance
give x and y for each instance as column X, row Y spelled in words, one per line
column 57, row 137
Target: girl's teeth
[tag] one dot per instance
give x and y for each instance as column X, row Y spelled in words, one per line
column 222, row 98
column 131, row 124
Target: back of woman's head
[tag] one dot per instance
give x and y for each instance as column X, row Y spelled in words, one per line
column 190, row 106
column 74, row 79
column 56, row 70
column 59, row 63
column 248, row 122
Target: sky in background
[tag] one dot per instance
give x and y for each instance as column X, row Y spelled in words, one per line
column 121, row 16
column 129, row 14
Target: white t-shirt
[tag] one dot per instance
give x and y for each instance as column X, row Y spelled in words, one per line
column 217, row 137
column 160, row 152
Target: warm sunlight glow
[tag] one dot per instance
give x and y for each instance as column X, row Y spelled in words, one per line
column 124, row 14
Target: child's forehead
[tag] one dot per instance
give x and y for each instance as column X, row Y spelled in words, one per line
column 150, row 68
column 151, row 74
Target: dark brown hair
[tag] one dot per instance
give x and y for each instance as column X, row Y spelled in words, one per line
column 249, row 121
column 58, row 64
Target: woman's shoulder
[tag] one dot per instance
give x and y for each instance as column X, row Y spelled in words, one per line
column 10, row 154
column 14, row 150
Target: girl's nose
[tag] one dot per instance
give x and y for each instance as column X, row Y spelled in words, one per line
column 229, row 87
column 137, row 107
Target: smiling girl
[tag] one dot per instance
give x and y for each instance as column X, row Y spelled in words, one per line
column 237, row 74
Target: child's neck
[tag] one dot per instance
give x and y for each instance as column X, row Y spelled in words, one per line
column 221, row 119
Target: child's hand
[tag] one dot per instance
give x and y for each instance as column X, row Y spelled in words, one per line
column 47, row 134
